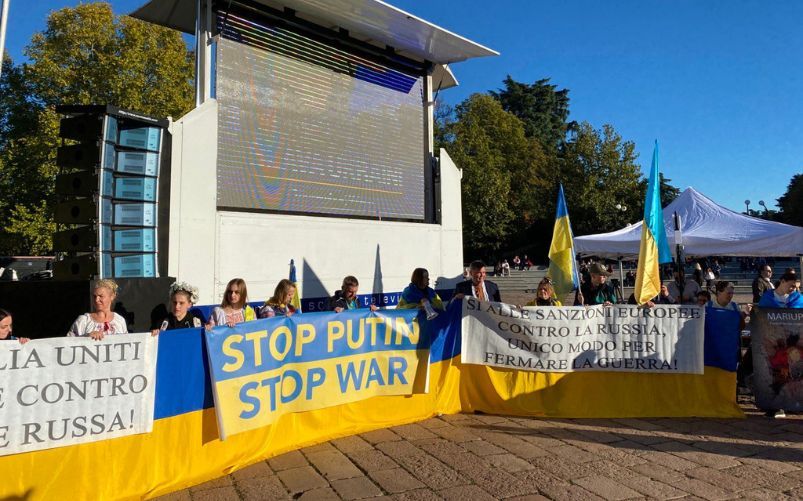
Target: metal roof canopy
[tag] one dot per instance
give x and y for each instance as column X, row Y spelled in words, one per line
column 371, row 21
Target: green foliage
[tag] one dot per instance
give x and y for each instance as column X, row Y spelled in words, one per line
column 34, row 226
column 599, row 172
column 668, row 192
column 501, row 172
column 542, row 108
column 85, row 55
column 515, row 146
column 768, row 214
column 791, row 202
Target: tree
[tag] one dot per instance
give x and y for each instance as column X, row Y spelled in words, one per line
column 668, row 192
column 791, row 202
column 443, row 119
column 598, row 172
column 27, row 169
column 542, row 108
column 86, row 55
column 502, row 173
column 768, row 214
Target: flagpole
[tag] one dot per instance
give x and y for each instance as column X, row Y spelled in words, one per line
column 3, row 24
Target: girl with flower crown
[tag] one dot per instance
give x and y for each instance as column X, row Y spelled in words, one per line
column 182, row 297
column 279, row 304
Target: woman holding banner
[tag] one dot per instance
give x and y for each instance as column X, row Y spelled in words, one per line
column 182, row 297
column 234, row 308
column 419, row 292
column 103, row 321
column 279, row 304
column 545, row 295
column 723, row 299
column 5, row 328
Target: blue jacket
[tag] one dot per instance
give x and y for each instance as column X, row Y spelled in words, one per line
column 768, row 299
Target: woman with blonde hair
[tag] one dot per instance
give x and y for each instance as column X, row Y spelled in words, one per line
column 279, row 304
column 545, row 295
column 234, row 308
column 102, row 321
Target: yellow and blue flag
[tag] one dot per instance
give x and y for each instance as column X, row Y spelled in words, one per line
column 296, row 301
column 562, row 263
column 654, row 249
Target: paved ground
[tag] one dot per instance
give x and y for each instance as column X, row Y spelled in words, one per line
column 477, row 457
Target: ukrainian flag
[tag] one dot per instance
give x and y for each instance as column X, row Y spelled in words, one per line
column 562, row 264
column 654, row 248
column 296, row 301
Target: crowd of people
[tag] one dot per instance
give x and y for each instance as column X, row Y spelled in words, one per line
column 503, row 266
column 594, row 290
column 233, row 309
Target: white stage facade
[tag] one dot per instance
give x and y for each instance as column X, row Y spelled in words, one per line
column 312, row 141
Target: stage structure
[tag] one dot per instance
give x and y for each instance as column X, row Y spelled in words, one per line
column 312, row 140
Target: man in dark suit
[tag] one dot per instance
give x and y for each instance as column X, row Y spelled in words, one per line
column 477, row 286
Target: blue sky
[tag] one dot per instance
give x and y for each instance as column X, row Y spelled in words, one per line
column 719, row 83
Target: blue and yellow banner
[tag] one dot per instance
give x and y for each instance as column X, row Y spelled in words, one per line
column 265, row 369
column 185, row 446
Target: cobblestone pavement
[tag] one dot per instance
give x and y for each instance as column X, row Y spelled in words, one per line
column 470, row 457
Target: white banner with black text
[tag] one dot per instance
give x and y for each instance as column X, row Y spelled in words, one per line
column 73, row 390
column 662, row 339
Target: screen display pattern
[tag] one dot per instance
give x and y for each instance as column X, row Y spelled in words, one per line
column 307, row 127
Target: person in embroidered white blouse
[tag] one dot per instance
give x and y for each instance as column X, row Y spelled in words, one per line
column 102, row 321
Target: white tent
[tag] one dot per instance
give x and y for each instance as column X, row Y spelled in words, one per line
column 707, row 229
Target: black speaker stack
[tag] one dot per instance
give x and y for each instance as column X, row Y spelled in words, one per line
column 113, row 187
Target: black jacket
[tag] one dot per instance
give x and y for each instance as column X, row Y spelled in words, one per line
column 467, row 289
column 338, row 301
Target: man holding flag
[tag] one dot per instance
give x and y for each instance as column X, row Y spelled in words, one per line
column 654, row 249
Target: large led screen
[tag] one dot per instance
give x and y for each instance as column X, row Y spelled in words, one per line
column 305, row 127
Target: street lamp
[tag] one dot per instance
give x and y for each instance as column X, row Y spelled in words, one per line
column 747, row 207
column 622, row 208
